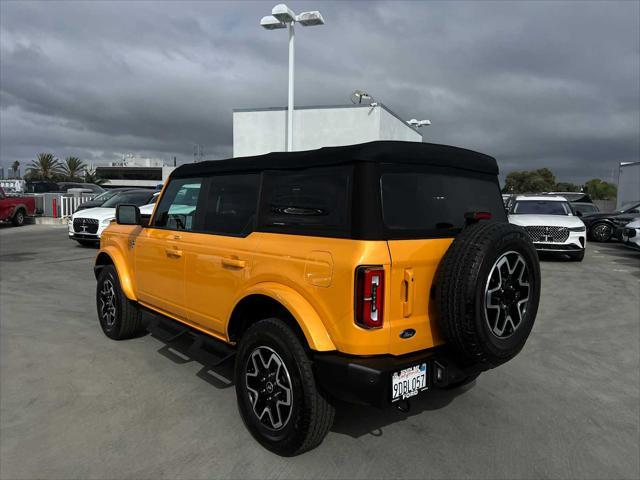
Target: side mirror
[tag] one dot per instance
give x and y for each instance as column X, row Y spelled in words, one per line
column 127, row 215
column 578, row 213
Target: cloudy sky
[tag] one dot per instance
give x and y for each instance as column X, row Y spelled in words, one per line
column 535, row 84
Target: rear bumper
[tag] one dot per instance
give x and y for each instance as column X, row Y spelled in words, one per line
column 367, row 380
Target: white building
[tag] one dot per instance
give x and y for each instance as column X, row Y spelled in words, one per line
column 628, row 183
column 134, row 171
column 264, row 130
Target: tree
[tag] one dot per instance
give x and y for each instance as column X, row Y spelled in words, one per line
column 600, row 190
column 534, row 181
column 73, row 169
column 44, row 167
column 15, row 166
column 567, row 187
column 90, row 176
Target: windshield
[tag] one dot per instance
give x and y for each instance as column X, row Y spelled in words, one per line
column 585, row 208
column 629, row 206
column 541, row 207
column 103, row 197
column 138, row 198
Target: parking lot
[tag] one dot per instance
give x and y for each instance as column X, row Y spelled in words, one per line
column 74, row 404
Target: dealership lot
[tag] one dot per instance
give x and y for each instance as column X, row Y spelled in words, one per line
column 74, row 404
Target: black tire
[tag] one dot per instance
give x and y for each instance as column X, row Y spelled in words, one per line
column 304, row 424
column 18, row 218
column 462, row 383
column 477, row 332
column 601, row 232
column 577, row 256
column 119, row 317
column 87, row 243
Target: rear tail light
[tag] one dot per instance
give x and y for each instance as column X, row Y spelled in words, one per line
column 369, row 296
column 472, row 217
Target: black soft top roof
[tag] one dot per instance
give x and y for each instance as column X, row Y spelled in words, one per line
column 373, row 152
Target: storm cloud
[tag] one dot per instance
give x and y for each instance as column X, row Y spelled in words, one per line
column 533, row 83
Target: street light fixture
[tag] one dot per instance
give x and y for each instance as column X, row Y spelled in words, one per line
column 419, row 123
column 283, row 17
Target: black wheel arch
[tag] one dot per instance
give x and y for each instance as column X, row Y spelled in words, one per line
column 102, row 260
column 256, row 307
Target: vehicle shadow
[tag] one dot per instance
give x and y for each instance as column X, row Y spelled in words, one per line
column 554, row 257
column 351, row 419
column 186, row 348
column 358, row 420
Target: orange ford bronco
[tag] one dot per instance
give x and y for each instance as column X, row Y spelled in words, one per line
column 370, row 273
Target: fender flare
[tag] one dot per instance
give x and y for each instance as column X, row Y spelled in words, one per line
column 120, row 263
column 13, row 209
column 304, row 314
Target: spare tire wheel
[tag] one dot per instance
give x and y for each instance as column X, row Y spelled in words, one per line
column 487, row 293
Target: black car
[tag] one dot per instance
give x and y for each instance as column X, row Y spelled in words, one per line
column 601, row 227
column 585, row 208
column 41, row 187
column 66, row 186
column 103, row 197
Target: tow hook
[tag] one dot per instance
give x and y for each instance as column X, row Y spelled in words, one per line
column 403, row 406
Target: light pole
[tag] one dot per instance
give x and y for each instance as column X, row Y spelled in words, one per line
column 283, row 17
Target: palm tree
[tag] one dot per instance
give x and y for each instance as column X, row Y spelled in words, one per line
column 15, row 166
column 44, row 167
column 73, row 168
column 90, row 176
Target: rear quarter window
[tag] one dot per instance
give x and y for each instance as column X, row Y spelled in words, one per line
column 421, row 203
column 311, row 202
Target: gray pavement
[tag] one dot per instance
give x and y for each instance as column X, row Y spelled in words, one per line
column 74, row 404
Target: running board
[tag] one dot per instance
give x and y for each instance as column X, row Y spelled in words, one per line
column 215, row 351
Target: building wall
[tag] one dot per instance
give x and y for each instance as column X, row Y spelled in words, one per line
column 392, row 128
column 262, row 131
column 629, row 183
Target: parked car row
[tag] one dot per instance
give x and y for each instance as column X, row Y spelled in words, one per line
column 52, row 187
column 552, row 224
column 86, row 224
column 602, row 227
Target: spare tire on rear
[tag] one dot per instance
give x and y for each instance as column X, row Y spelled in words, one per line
column 487, row 293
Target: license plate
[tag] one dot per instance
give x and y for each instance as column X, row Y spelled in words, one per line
column 409, row 382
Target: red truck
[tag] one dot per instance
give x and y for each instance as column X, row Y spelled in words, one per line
column 16, row 207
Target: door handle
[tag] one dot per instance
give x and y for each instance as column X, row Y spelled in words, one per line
column 408, row 283
column 175, row 236
column 233, row 262
column 171, row 252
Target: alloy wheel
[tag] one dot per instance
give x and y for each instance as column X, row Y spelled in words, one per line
column 108, row 303
column 507, row 294
column 269, row 387
column 601, row 232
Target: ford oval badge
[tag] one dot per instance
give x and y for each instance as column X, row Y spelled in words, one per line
column 408, row 333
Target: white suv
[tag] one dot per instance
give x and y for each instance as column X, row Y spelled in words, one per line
column 551, row 223
column 86, row 226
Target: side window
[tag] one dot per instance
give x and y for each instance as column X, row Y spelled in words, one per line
column 177, row 209
column 231, row 203
column 313, row 201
